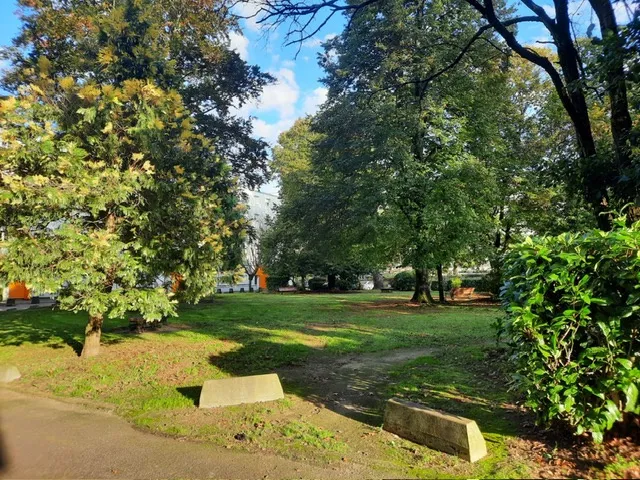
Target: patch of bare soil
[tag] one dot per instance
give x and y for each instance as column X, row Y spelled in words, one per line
column 352, row 385
column 162, row 328
column 474, row 300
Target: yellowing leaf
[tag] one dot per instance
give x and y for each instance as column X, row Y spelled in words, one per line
column 44, row 65
column 108, row 128
column 8, row 104
column 67, row 83
column 179, row 170
column 137, row 156
column 89, row 92
column 106, row 55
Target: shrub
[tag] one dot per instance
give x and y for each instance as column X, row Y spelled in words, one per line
column 456, row 282
column 404, row 281
column 573, row 303
column 317, row 283
column 483, row 284
column 276, row 281
column 348, row 282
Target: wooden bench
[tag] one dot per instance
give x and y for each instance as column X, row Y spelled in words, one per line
column 386, row 289
column 287, row 289
column 462, row 291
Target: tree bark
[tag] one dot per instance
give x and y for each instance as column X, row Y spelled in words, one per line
column 569, row 89
column 251, row 278
column 331, row 281
column 441, row 285
column 422, row 293
column 92, row 334
column 378, row 280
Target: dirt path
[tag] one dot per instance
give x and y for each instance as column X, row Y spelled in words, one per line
column 352, row 385
column 46, row 438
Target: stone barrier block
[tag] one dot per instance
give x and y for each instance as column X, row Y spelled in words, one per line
column 447, row 433
column 8, row 373
column 238, row 390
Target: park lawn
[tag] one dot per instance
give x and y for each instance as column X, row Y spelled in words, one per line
column 153, row 379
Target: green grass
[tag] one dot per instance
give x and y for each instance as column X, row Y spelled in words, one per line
column 153, row 379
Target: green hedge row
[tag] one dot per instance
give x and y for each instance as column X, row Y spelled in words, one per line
column 573, row 304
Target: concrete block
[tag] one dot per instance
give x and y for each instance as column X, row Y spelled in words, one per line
column 447, row 433
column 238, row 390
column 8, row 373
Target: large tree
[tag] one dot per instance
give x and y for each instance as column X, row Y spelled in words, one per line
column 310, row 234
column 608, row 178
column 80, row 164
column 188, row 214
column 403, row 139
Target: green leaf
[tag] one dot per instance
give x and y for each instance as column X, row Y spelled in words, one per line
column 631, row 393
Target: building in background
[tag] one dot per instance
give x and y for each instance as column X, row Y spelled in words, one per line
column 261, row 207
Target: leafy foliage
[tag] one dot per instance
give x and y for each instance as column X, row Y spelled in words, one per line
column 317, row 283
column 404, row 281
column 276, row 281
column 574, row 321
column 181, row 45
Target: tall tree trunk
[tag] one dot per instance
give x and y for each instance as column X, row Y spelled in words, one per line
column 251, row 277
column 331, row 281
column 92, row 334
column 378, row 280
column 571, row 93
column 441, row 285
column 620, row 118
column 422, row 293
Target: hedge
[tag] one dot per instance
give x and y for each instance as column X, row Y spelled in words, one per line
column 573, row 304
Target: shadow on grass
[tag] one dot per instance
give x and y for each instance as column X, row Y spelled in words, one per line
column 192, row 393
column 358, row 385
column 47, row 326
column 17, row 328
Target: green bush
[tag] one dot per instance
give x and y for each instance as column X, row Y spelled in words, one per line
column 317, row 283
column 276, row 281
column 483, row 284
column 348, row 282
column 404, row 281
column 455, row 282
column 573, row 304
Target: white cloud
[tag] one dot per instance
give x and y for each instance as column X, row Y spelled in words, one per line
column 271, row 131
column 250, row 12
column 313, row 101
column 316, row 42
column 240, row 44
column 288, row 63
column 280, row 96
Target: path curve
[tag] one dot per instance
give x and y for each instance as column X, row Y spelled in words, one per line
column 47, row 438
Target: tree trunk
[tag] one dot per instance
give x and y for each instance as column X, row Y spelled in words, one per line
column 378, row 280
column 621, row 124
column 441, row 285
column 92, row 334
column 251, row 278
column 422, row 293
column 571, row 93
column 331, row 281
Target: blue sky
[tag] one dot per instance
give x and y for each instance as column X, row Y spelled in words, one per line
column 298, row 91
